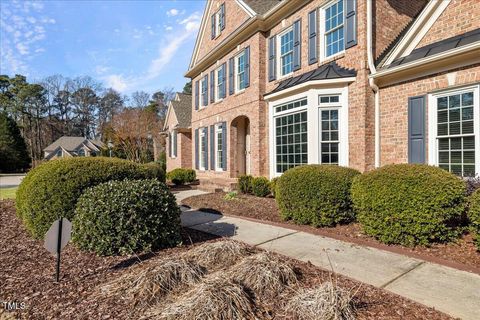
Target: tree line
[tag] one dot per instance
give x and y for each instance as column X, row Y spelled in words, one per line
column 59, row 106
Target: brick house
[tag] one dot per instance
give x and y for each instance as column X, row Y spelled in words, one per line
column 355, row 83
column 179, row 132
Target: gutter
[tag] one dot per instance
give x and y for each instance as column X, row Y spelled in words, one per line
column 371, row 82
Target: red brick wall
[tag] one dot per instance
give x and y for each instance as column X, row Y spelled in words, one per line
column 459, row 17
column 394, row 113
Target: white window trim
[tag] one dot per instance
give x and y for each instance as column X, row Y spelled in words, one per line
column 217, row 88
column 279, row 56
column 218, row 30
column 235, row 67
column 201, row 135
column 313, row 126
column 202, row 84
column 432, row 123
column 218, row 130
column 172, row 133
column 321, row 23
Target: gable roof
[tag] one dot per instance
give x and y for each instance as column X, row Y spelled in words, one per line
column 438, row 47
column 181, row 107
column 327, row 71
column 71, row 143
column 261, row 6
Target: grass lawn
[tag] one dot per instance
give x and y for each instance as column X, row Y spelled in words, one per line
column 8, row 193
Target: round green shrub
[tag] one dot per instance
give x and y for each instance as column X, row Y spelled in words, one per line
column 273, row 186
column 260, row 186
column 318, row 195
column 409, row 204
column 52, row 189
column 154, row 170
column 474, row 216
column 245, row 183
column 124, row 217
column 180, row 176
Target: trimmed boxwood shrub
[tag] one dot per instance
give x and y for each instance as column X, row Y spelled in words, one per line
column 180, row 176
column 409, row 204
column 318, row 195
column 124, row 217
column 273, row 186
column 245, row 183
column 154, row 170
column 52, row 189
column 474, row 216
column 260, row 186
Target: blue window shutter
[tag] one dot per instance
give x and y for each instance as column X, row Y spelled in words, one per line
column 231, row 72
column 169, row 144
column 212, row 147
column 312, row 37
column 297, row 44
column 212, row 86
column 350, row 23
column 205, row 94
column 213, row 26
column 416, row 130
column 196, row 149
column 222, row 16
column 175, row 143
column 197, row 87
column 224, row 146
column 272, row 70
column 205, row 130
column 247, row 67
column 224, row 82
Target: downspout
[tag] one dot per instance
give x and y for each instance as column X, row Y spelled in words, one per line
column 371, row 82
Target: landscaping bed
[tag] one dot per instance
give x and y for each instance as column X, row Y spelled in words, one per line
column 28, row 269
column 462, row 254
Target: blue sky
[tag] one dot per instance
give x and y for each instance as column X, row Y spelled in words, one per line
column 128, row 45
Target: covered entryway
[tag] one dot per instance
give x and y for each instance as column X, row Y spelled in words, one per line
column 240, row 153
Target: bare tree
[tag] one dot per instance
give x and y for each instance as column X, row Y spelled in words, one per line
column 140, row 99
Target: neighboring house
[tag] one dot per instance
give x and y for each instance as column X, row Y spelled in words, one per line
column 179, row 130
column 72, row 147
column 354, row 83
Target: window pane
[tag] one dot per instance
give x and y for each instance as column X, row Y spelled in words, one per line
column 442, row 103
column 467, row 99
column 454, row 101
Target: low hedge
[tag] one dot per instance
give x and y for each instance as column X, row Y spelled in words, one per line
column 125, row 217
column 474, row 216
column 409, row 204
column 180, row 176
column 273, row 186
column 52, row 189
column 318, row 195
column 245, row 183
column 260, row 186
column 154, row 170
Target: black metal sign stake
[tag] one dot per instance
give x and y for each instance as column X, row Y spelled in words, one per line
column 59, row 248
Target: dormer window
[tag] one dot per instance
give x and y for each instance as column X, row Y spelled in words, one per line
column 218, row 21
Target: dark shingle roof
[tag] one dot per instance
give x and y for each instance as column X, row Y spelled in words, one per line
column 262, row 6
column 70, row 143
column 183, row 110
column 438, row 47
column 327, row 71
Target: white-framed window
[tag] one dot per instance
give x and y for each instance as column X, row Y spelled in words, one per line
column 204, row 91
column 329, row 128
column 240, row 72
column 59, row 153
column 309, row 128
column 219, row 152
column 291, row 135
column 218, row 26
column 285, row 48
column 219, row 84
column 203, row 148
column 173, row 145
column 332, row 29
column 81, row 152
column 454, row 131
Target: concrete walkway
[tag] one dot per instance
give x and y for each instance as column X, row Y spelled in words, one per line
column 452, row 291
column 10, row 180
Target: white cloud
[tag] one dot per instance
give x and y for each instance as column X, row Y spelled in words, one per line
column 168, row 28
column 116, row 81
column 22, row 48
column 192, row 22
column 39, row 50
column 101, row 69
column 172, row 12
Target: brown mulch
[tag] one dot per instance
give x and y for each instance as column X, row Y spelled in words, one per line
column 461, row 254
column 27, row 272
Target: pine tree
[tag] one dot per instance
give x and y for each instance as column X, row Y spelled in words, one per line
column 13, row 150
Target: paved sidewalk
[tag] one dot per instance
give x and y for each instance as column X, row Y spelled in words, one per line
column 10, row 180
column 452, row 291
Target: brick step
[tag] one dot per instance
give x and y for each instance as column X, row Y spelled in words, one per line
column 216, row 184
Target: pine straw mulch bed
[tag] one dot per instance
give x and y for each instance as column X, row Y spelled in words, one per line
column 461, row 255
column 91, row 286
